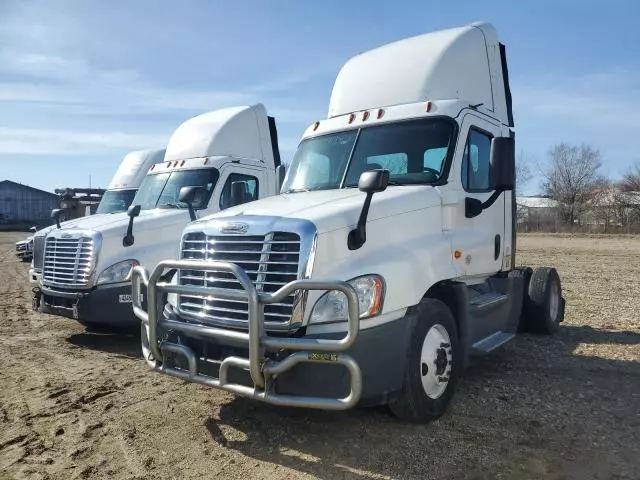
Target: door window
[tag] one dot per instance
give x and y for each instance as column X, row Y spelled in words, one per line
column 476, row 166
column 249, row 189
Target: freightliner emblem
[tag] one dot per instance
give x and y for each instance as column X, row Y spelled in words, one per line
column 235, row 228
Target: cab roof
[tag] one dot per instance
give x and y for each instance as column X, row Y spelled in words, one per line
column 134, row 167
column 463, row 63
column 238, row 132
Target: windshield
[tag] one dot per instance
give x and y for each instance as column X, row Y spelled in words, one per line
column 413, row 151
column 161, row 190
column 114, row 201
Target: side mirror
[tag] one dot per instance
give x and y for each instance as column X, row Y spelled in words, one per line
column 370, row 182
column 374, row 181
column 188, row 195
column 503, row 164
column 133, row 211
column 55, row 215
column 33, row 229
column 239, row 193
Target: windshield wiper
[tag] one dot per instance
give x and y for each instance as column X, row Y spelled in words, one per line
column 170, row 205
column 297, row 190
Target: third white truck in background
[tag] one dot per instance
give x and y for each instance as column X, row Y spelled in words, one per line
column 387, row 262
column 125, row 182
column 117, row 198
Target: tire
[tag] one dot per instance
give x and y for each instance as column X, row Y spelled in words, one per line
column 544, row 306
column 413, row 403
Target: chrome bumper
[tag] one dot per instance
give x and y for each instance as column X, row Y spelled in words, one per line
column 263, row 370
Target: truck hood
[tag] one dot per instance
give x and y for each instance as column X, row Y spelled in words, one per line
column 116, row 223
column 335, row 209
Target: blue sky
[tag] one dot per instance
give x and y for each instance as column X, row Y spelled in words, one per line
column 84, row 82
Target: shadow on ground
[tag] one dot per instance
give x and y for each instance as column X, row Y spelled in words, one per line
column 532, row 410
column 121, row 341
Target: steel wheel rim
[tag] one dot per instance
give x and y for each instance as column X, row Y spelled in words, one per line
column 436, row 346
column 554, row 301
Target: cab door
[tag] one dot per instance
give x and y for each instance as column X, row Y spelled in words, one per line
column 478, row 241
column 253, row 179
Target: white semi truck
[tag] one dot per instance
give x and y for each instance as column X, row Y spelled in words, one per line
column 117, row 198
column 388, row 260
column 226, row 157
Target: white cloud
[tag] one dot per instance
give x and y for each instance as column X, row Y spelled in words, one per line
column 68, row 142
column 601, row 100
column 87, row 89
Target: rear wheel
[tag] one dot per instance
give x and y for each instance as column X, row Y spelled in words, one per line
column 544, row 305
column 432, row 365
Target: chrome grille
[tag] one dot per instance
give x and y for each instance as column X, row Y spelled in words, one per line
column 38, row 250
column 68, row 261
column 270, row 261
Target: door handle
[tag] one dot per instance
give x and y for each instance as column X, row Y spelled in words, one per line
column 496, row 247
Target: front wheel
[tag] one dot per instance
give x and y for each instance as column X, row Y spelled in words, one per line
column 432, row 365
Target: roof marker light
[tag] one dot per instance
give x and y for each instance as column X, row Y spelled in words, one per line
column 182, row 162
column 315, row 126
column 365, row 116
column 427, row 107
column 380, row 113
column 352, row 117
column 206, row 160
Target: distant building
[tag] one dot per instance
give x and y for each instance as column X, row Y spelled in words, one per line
column 22, row 205
column 535, row 213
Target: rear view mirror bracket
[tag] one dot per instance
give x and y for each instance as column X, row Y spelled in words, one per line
column 133, row 211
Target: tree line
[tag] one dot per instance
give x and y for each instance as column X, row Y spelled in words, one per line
column 582, row 197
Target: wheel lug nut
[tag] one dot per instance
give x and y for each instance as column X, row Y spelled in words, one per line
column 425, row 369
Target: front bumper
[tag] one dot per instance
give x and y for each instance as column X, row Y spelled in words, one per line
column 105, row 305
column 310, row 371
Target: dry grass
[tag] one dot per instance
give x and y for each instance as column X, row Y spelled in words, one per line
column 81, row 404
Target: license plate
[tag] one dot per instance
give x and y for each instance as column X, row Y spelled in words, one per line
column 126, row 298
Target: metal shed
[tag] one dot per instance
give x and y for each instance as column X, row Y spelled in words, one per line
column 21, row 204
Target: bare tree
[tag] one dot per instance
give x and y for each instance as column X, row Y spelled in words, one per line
column 571, row 179
column 631, row 180
column 523, row 171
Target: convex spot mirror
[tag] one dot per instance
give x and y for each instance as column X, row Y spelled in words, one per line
column 374, row 181
column 133, row 210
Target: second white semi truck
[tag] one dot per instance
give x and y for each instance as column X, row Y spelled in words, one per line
column 226, row 157
column 388, row 261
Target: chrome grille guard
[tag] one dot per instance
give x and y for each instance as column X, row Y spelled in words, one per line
column 263, row 370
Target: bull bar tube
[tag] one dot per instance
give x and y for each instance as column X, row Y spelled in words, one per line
column 263, row 371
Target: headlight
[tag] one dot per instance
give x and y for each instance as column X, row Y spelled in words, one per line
column 119, row 272
column 332, row 306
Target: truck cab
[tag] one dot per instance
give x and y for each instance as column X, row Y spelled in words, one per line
column 125, row 182
column 226, row 157
column 388, row 260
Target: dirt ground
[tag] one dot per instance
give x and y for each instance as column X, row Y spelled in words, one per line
column 82, row 404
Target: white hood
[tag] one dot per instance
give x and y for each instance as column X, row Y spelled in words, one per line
column 340, row 208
